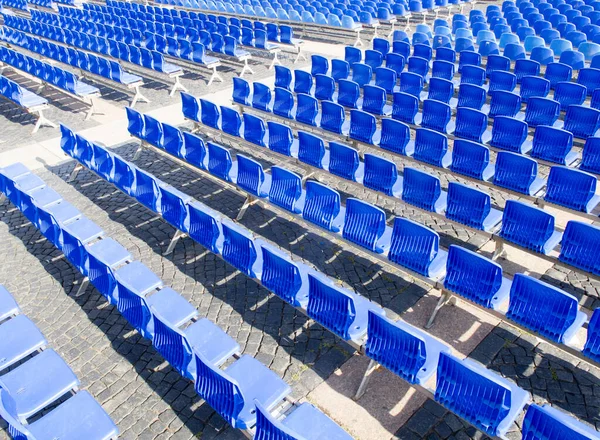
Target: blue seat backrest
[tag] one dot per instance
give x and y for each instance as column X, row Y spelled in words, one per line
column 286, row 188
column 238, row 248
column 307, row 108
column 526, row 225
column 547, row 423
column 541, row 307
column 472, row 276
column 467, row 205
column 364, row 223
column 343, row 160
column 396, row 346
column 413, row 245
column 219, row 161
column 430, row 146
column 582, row 121
column 261, row 96
column 541, row 111
column 250, row 175
column 283, row 103
column 515, row 171
column 470, row 124
column 551, row 144
column 254, row 129
column 504, row 103
column 322, row 205
column 469, row 158
column 209, row 114
column 204, row 226
column 395, row 136
column 508, row 133
column 436, row 115
column 380, row 174
column 463, row 389
column 362, row 126
column 280, row 275
column 570, row 187
column 420, row 188
column 579, row 244
column 471, row 96
column 329, row 306
column 311, row 149
column 280, row 138
column 405, row 107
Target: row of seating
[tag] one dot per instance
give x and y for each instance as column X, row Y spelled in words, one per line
column 341, row 311
column 27, row 100
column 430, row 145
column 38, row 377
column 182, row 43
column 414, row 187
column 152, row 61
column 88, row 63
column 129, row 45
column 15, row 4
column 174, row 41
column 53, row 75
column 280, row 34
column 197, row 350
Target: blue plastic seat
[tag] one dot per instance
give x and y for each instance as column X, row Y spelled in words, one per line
column 542, row 55
column 589, row 49
column 234, row 392
column 395, row 136
column 285, row 190
column 524, row 67
column 417, row 247
column 470, row 124
column 471, row 159
column 468, row 58
column 306, row 421
column 436, row 115
column 506, row 38
column 303, row 82
column 381, row 175
column 364, row 224
column 502, row 80
column 487, row 48
column 471, row 96
column 374, row 100
column 475, row 278
column 283, row 78
column 423, row 51
column 473, row 75
column 20, row 338
column 582, row 121
column 311, row 149
column 348, row 93
column 319, row 65
column 403, row 349
column 322, row 206
column 362, row 126
column 463, row 44
column 418, row 65
column 548, row 422
column 497, row 62
column 544, row 309
column 239, row 249
column 569, row 93
column 411, row 83
column 341, row 311
column 578, row 248
column 529, row 226
column 373, row 58
column 261, row 97
column 534, row 86
column 471, row 207
column 386, row 78
column 381, row 45
column 541, row 111
column 517, row 172
column 283, row 102
column 78, row 417
column 432, row 147
column 508, row 134
column 589, row 77
column 572, row 188
column 352, row 55
column 590, row 160
column 440, row 90
column 307, row 108
column 445, row 54
column 442, row 69
column 553, row 145
column 423, row 190
column 573, row 58
column 461, row 383
column 361, row 74
column 340, row 69
column 560, row 46
column 556, row 72
column 504, row 103
column 324, row 87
